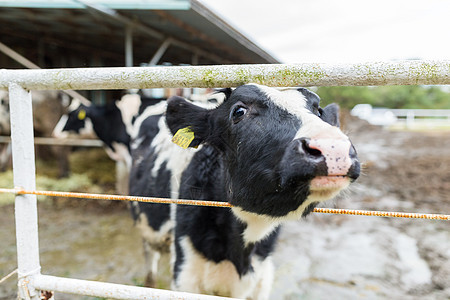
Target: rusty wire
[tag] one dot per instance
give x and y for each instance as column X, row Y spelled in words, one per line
column 390, row 214
column 8, row 276
column 20, row 191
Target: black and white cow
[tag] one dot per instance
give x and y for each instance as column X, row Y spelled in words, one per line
column 112, row 124
column 115, row 125
column 157, row 168
column 273, row 154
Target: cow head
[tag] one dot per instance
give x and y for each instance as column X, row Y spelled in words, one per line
column 75, row 122
column 282, row 152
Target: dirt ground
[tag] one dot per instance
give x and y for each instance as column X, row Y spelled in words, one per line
column 355, row 257
column 320, row 257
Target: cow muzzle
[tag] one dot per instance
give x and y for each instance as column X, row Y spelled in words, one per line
column 328, row 164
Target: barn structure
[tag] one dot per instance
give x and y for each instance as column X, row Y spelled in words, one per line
column 104, row 33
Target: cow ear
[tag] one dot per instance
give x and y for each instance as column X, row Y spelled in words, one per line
column 226, row 91
column 219, row 96
column 187, row 122
column 330, row 114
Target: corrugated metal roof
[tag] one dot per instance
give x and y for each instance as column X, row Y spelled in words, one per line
column 114, row 4
column 78, row 34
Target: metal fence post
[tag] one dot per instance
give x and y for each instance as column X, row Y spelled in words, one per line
column 24, row 176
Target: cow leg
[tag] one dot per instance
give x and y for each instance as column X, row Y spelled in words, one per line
column 122, row 177
column 265, row 279
column 63, row 160
column 151, row 264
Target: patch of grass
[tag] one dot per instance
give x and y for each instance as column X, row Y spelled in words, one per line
column 75, row 182
column 92, row 171
column 96, row 165
column 6, row 181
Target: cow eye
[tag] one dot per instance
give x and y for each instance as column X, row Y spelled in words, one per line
column 238, row 113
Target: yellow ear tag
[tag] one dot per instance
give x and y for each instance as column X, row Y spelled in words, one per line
column 81, row 115
column 183, row 137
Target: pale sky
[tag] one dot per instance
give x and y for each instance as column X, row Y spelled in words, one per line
column 296, row 31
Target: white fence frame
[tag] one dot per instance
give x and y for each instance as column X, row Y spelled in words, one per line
column 409, row 116
column 19, row 82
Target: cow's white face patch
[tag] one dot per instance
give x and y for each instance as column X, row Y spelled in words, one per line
column 288, row 99
column 314, row 127
column 294, row 102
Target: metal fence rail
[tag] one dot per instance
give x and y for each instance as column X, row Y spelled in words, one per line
column 59, row 142
column 426, row 113
column 19, row 82
column 111, row 290
column 282, row 75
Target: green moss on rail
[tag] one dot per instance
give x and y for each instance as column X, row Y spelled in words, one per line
column 299, row 76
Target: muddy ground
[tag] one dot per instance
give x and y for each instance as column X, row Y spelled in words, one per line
column 320, row 257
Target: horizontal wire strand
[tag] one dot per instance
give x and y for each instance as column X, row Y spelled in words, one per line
column 20, row 191
column 8, row 276
column 390, row 214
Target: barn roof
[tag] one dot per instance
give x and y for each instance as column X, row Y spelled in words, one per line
column 79, row 33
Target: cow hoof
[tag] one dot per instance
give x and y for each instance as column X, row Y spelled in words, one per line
column 150, row 281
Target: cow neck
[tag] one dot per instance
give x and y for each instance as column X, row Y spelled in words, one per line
column 247, row 233
column 257, row 227
column 244, row 251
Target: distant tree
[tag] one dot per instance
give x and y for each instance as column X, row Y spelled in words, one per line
column 346, row 96
column 387, row 96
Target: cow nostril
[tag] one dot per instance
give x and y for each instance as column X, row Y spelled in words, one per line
column 309, row 150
